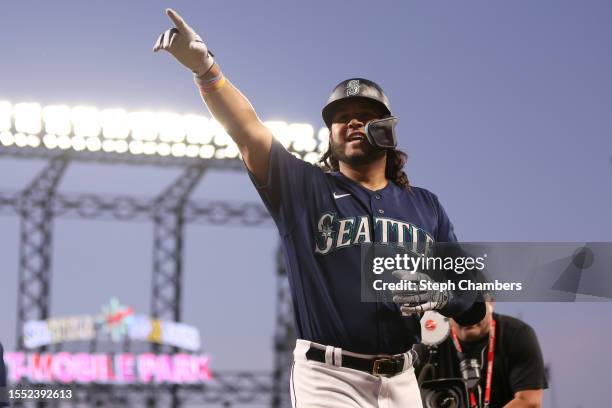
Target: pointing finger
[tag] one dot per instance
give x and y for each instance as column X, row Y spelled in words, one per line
column 177, row 20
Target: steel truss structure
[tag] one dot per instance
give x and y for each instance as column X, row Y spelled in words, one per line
column 40, row 203
column 284, row 336
column 35, row 249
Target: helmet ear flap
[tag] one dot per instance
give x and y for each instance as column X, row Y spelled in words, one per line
column 381, row 132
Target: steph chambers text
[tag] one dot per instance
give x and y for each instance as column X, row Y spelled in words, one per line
column 464, row 284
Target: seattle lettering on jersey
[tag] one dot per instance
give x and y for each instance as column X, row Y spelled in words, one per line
column 336, row 233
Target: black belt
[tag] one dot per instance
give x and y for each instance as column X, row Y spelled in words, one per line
column 384, row 366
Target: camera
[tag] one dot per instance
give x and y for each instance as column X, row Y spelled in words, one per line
column 452, row 392
column 445, row 393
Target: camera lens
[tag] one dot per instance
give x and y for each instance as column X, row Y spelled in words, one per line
column 443, row 399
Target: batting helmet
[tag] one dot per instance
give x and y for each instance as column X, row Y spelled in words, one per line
column 358, row 88
column 379, row 132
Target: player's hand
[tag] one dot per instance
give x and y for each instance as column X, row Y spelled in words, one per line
column 419, row 300
column 185, row 45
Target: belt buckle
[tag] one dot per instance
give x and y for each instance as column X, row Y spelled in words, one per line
column 376, row 367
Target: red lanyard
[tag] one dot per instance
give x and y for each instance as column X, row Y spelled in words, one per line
column 490, row 357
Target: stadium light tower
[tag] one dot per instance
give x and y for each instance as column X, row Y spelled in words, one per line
column 89, row 133
column 63, row 134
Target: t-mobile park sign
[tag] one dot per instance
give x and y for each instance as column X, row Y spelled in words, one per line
column 125, row 368
column 115, row 323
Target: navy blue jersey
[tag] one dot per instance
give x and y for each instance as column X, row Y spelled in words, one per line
column 322, row 219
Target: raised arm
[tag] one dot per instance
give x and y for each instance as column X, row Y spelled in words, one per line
column 225, row 102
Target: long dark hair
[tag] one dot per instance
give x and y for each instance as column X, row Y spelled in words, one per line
column 394, row 169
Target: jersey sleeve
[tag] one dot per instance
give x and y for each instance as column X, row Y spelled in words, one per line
column 287, row 188
column 446, row 231
column 465, row 307
column 526, row 365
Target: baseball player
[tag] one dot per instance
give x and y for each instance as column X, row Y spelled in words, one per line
column 349, row 353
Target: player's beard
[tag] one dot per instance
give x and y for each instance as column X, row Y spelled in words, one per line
column 369, row 155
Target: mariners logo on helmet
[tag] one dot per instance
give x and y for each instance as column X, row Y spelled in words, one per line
column 352, row 87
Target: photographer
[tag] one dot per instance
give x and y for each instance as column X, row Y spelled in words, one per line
column 517, row 377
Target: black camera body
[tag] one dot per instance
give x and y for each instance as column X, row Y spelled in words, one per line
column 445, row 393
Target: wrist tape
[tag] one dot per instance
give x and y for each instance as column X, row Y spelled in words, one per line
column 210, row 84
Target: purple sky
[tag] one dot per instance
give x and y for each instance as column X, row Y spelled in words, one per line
column 505, row 111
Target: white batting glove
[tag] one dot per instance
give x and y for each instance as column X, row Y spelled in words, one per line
column 185, row 45
column 419, row 300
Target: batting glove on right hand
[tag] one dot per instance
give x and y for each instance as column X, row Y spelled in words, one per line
column 419, row 300
column 185, row 45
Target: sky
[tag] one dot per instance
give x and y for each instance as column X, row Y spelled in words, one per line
column 505, row 113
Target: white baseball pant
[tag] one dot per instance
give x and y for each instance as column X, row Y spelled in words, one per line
column 328, row 385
